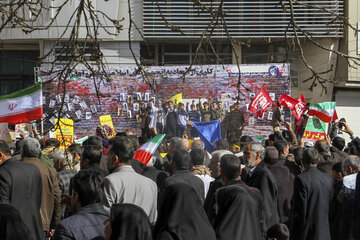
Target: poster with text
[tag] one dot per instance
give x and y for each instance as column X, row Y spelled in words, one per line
column 64, row 132
column 87, row 92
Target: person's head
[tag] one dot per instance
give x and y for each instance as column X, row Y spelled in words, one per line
column 271, row 155
column 171, row 105
column 338, row 171
column 310, row 157
column 159, row 104
column 197, row 145
column 222, row 144
column 93, row 141
column 127, row 220
column 339, row 143
column 62, row 160
column 177, row 143
column 244, row 140
column 181, row 106
column 272, row 139
column 278, row 231
column 297, row 152
column 42, row 142
column 5, row 152
column 192, row 107
column 230, row 166
column 121, row 152
column 356, row 144
column 180, row 160
column 214, row 105
column 30, row 148
column 282, row 147
column 214, row 164
column 86, row 189
column 52, row 142
column 219, row 105
column 197, row 157
column 135, row 141
column 352, row 164
column 76, row 151
column 206, row 105
column 323, row 148
column 198, row 107
column 128, row 133
column 254, row 153
column 90, row 156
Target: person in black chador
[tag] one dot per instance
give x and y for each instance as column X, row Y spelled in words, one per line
column 170, row 120
column 181, row 216
column 239, row 206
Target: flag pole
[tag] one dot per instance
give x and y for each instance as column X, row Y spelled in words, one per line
column 330, row 124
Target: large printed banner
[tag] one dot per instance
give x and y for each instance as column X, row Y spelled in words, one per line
column 88, row 97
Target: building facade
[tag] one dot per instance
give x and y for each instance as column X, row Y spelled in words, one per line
column 169, row 32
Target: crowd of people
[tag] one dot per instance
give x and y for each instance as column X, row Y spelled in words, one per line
column 175, row 119
column 277, row 189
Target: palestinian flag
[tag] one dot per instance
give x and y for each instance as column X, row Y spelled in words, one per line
column 147, row 150
column 324, row 111
column 22, row 106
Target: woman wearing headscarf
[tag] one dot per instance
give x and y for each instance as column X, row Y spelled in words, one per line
column 12, row 226
column 239, row 213
column 127, row 222
column 182, row 217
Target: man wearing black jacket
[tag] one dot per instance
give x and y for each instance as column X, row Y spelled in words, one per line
column 261, row 178
column 284, row 181
column 237, row 201
column 20, row 185
column 312, row 195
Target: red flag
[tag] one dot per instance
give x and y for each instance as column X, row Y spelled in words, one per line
column 261, row 102
column 299, row 108
column 335, row 116
column 287, row 101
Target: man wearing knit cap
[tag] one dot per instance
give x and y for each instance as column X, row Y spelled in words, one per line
column 284, row 181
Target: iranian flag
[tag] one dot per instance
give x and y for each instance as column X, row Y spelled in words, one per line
column 324, row 111
column 22, row 106
column 147, row 150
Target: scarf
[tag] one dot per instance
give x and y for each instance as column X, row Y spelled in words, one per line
column 200, row 170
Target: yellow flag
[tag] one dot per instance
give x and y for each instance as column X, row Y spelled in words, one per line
column 163, row 154
column 177, row 97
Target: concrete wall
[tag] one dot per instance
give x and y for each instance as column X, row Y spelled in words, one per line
column 347, row 76
column 114, row 9
column 321, row 61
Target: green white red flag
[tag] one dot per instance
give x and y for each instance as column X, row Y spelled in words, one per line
column 147, row 150
column 315, row 130
column 22, row 106
column 324, row 111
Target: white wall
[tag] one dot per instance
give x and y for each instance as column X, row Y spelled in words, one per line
column 348, row 107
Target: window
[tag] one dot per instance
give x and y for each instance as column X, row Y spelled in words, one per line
column 184, row 54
